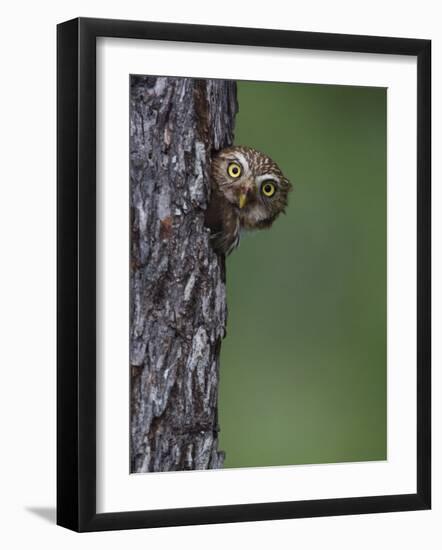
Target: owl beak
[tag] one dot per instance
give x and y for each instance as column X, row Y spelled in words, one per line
column 242, row 199
column 245, row 192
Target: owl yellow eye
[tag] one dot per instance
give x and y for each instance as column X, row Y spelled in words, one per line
column 234, row 170
column 268, row 189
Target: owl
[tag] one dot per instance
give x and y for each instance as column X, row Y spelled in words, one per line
column 248, row 192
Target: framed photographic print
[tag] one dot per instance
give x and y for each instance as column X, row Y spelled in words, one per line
column 243, row 274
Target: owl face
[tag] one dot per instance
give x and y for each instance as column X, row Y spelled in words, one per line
column 252, row 183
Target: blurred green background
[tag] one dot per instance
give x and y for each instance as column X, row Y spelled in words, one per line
column 303, row 366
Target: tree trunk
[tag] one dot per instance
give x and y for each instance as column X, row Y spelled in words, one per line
column 177, row 282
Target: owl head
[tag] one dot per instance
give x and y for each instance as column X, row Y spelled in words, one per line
column 252, row 183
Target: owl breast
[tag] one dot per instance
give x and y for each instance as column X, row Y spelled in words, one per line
column 224, row 224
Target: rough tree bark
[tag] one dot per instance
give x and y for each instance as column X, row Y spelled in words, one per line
column 178, row 301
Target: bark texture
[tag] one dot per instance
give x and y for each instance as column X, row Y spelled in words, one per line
column 178, row 300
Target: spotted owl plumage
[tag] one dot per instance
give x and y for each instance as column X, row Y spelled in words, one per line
column 248, row 192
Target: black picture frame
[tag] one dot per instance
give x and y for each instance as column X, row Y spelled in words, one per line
column 76, row 274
